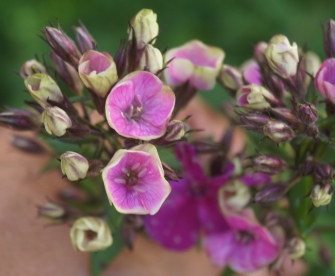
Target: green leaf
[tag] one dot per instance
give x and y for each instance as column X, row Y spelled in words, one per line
column 300, row 206
column 227, row 272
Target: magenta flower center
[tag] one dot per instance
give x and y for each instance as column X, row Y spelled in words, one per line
column 244, row 237
column 135, row 110
column 131, row 176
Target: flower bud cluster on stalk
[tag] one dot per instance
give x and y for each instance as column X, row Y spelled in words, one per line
column 247, row 210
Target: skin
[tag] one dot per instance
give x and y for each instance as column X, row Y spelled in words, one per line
column 31, row 248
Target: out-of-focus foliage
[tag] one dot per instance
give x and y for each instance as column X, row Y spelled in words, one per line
column 234, row 26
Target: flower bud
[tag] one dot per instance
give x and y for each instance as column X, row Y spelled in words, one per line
column 251, row 72
column 296, row 248
column 51, row 210
column 254, row 120
column 312, row 64
column 98, row 72
column 254, row 97
column 324, row 80
column 323, row 172
column 175, row 131
column 307, row 113
column 74, row 165
column 84, row 39
column 120, row 58
column 278, row 131
column 43, row 88
column 259, row 51
column 282, row 57
column 144, row 28
column 90, row 234
column 26, row 144
column 329, row 38
column 269, row 164
column 151, row 59
column 271, row 193
column 67, row 73
column 234, row 196
column 285, row 114
column 230, row 78
column 56, row 121
column 307, row 167
column 19, row 119
column 32, row 67
column 322, row 195
column 62, row 45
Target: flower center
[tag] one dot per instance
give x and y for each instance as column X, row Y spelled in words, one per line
column 135, row 110
column 198, row 190
column 244, row 237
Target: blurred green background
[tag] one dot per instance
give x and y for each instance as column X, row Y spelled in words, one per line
column 235, row 26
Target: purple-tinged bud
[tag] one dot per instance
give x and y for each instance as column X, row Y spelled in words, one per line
column 251, row 72
column 312, row 131
column 67, row 73
column 175, row 131
column 308, row 166
column 325, row 255
column 19, row 119
column 230, row 78
column 278, row 131
column 324, row 80
column 329, row 38
column 322, row 194
column 32, row 67
column 56, row 120
column 271, row 193
column 144, row 28
column 74, row 165
column 43, row 88
column 62, row 45
column 269, row 164
column 323, row 173
column 84, row 39
column 285, row 114
column 259, row 51
column 255, row 97
column 282, row 57
column 26, row 144
column 296, row 248
column 94, row 169
column 307, row 113
column 151, row 59
column 254, row 120
column 98, row 72
column 311, row 66
column 120, row 58
column 51, row 211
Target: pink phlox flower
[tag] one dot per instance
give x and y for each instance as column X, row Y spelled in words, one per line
column 251, row 72
column 192, row 206
column 325, row 80
column 140, row 106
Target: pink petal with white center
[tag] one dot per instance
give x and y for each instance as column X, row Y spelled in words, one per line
column 176, row 225
column 251, row 72
column 134, row 181
column 140, row 106
column 178, row 71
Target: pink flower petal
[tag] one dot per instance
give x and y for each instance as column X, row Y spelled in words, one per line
column 256, row 179
column 251, row 72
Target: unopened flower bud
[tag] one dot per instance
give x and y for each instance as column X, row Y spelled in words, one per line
column 251, row 72
column 307, row 167
column 271, row 193
column 56, row 120
column 312, row 131
column 19, row 119
column 230, row 78
column 67, row 73
column 254, row 97
column 51, row 210
column 233, row 196
column 312, row 64
column 259, row 51
column 278, row 131
column 296, row 248
column 175, row 131
column 323, row 172
column 282, row 57
column 84, row 39
column 269, row 164
column 26, row 144
column 329, row 38
column 307, row 113
column 32, row 67
column 144, row 28
column 74, row 165
column 62, row 45
column 322, row 194
column 254, row 120
column 120, row 58
column 151, row 59
column 285, row 114
column 43, row 88
column 98, row 72
column 90, row 234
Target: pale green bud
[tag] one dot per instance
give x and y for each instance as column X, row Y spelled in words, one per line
column 74, row 165
column 56, row 120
